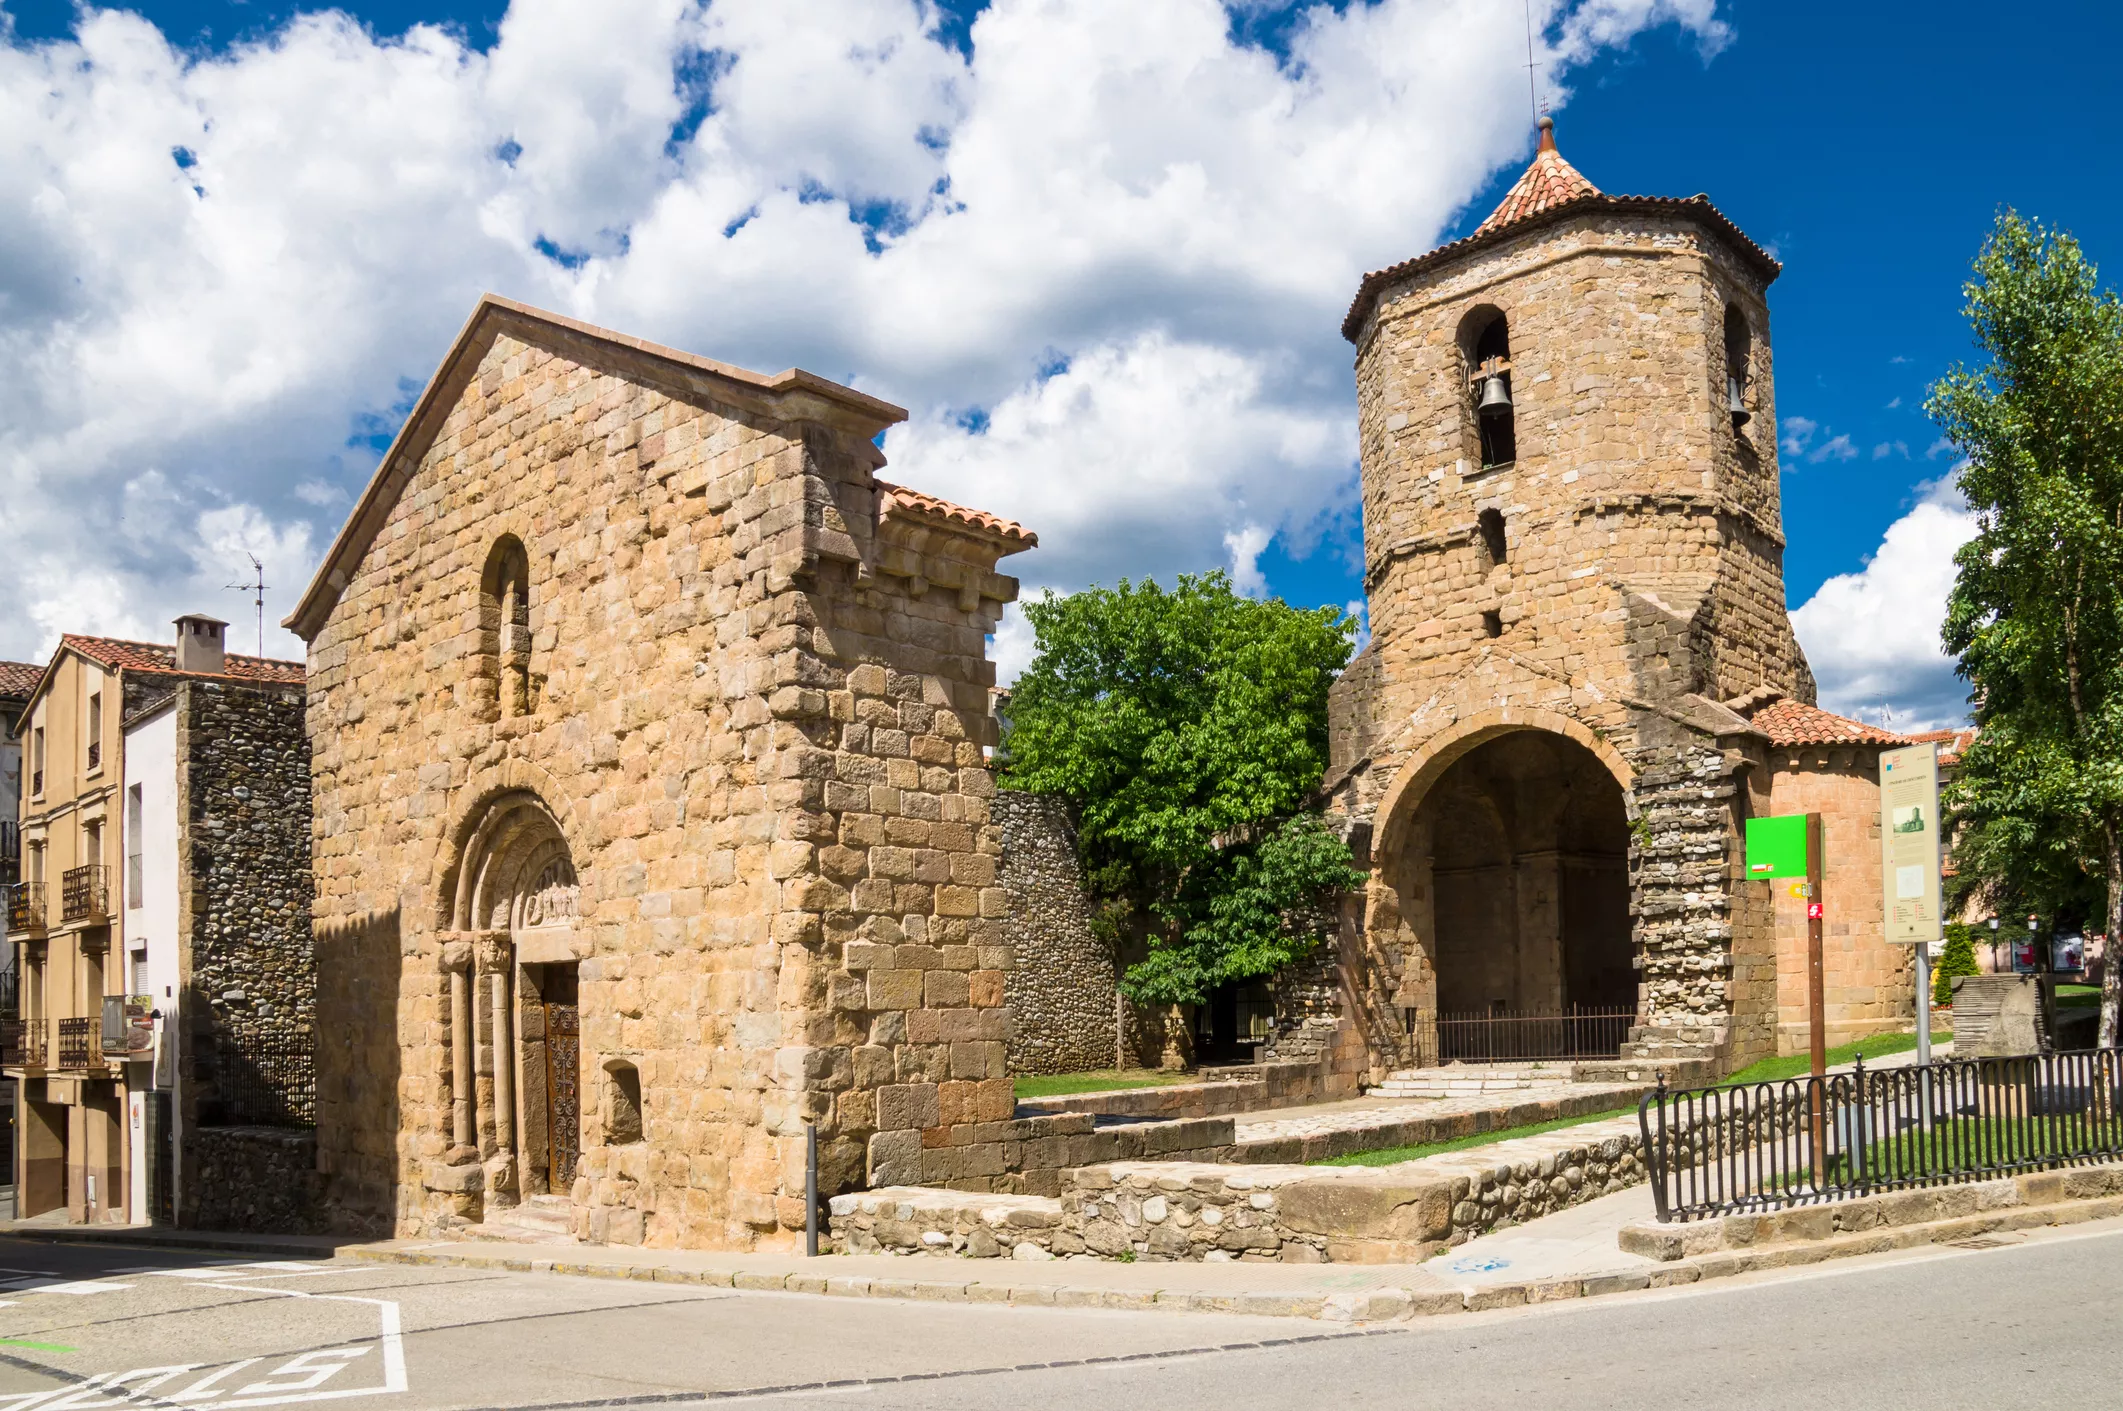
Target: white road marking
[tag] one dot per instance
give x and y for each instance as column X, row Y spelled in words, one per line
column 79, row 1288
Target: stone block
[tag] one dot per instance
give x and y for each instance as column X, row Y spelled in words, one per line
column 1368, row 1209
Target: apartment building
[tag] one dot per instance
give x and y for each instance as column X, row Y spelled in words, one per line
column 127, row 820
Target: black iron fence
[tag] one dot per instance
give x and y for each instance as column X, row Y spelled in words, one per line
column 25, row 906
column 85, row 893
column 21, row 1043
column 262, row 1080
column 1728, row 1150
column 77, row 1039
column 1505, row 1035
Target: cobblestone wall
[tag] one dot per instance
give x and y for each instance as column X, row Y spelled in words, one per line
column 1062, row 995
column 246, row 958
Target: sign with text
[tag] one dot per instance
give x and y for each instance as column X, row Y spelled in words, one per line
column 1909, row 843
column 1776, row 847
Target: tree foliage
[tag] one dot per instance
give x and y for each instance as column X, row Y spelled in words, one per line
column 2036, row 613
column 1188, row 728
column 1958, row 959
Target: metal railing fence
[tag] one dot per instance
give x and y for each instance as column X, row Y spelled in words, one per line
column 76, row 1041
column 1505, row 1035
column 25, row 906
column 22, row 1043
column 85, row 892
column 1764, row 1146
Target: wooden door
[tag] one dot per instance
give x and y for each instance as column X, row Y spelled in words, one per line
column 563, row 1083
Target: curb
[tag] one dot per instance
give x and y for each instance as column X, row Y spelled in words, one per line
column 311, row 1246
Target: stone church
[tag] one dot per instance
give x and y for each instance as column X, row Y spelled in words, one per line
column 651, row 812
column 1582, row 678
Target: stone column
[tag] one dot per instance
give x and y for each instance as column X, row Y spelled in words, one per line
column 457, row 959
column 504, row 1064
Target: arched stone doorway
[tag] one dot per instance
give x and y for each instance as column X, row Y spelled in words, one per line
column 1514, row 875
column 516, row 1081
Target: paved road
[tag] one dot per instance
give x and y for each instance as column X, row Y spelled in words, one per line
column 80, row 1329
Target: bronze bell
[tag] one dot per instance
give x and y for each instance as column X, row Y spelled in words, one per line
column 1496, row 396
column 1733, row 403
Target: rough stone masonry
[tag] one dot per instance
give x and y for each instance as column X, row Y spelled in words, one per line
column 651, row 814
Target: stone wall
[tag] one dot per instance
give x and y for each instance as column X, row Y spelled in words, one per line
column 261, row 1179
column 246, row 961
column 748, row 725
column 1869, row 984
column 1062, row 995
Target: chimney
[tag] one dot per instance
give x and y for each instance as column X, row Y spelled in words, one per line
column 200, row 645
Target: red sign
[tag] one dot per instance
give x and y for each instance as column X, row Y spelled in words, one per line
column 1813, row 911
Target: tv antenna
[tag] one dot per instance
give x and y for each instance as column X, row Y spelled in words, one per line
column 1533, row 96
column 258, row 588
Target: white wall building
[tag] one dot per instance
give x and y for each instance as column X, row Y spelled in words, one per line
column 149, row 887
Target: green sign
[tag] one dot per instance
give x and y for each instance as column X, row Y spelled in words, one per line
column 1776, row 847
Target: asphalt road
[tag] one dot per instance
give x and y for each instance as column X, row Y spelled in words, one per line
column 2027, row 1325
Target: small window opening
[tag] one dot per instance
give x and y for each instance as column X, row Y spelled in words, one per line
column 622, row 1122
column 135, row 882
column 1491, row 524
column 1493, row 623
column 1739, row 354
column 1494, row 412
column 505, row 627
column 95, row 730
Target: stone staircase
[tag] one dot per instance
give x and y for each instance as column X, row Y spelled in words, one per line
column 542, row 1219
column 1474, row 1079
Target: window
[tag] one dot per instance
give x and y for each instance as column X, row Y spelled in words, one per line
column 1490, row 523
column 95, row 730
column 505, row 628
column 1485, row 342
column 1493, row 623
column 134, row 884
column 36, row 761
column 1739, row 355
column 139, row 972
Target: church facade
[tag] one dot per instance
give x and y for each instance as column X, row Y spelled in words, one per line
column 651, row 814
column 1582, row 677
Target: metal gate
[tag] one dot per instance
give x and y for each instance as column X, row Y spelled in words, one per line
column 563, row 1062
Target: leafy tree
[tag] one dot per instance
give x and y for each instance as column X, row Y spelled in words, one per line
column 2036, row 613
column 1958, row 959
column 1189, row 730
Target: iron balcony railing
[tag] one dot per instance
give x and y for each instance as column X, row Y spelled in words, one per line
column 25, row 906
column 1508, row 1035
column 85, row 893
column 77, row 1041
column 95, row 754
column 1726, row 1150
column 22, row 1043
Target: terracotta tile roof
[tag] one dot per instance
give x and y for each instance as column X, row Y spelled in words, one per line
column 899, row 496
column 159, row 657
column 1551, row 186
column 19, row 678
column 1789, row 723
column 1548, row 183
column 1952, row 743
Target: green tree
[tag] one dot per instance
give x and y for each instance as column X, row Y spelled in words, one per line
column 2036, row 613
column 1188, row 729
column 1958, row 959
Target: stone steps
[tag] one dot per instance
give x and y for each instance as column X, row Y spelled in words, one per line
column 1470, row 1079
column 543, row 1219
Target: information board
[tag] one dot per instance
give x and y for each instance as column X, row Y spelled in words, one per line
column 1909, row 843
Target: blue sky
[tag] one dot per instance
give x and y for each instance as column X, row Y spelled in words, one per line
column 1868, row 146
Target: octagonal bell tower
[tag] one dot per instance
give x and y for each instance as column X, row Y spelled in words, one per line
column 1574, row 563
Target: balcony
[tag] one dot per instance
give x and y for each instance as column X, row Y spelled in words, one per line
column 85, row 894
column 95, row 754
column 21, row 1043
column 25, row 908
column 76, row 1043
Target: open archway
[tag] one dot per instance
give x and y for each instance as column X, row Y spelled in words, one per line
column 1514, row 874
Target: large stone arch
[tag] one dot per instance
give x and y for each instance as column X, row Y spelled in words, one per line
column 1501, row 887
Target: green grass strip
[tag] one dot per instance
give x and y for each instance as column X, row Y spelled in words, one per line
column 1796, row 1065
column 1104, row 1080
column 1395, row 1154
column 37, row 1346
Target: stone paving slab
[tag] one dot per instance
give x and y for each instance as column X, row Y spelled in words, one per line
column 1326, row 1130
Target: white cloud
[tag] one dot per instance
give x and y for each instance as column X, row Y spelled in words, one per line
column 1940, row 447
column 1245, row 546
column 1873, row 636
column 1890, row 448
column 1103, row 254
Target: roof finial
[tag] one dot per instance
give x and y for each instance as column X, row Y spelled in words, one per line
column 1547, row 133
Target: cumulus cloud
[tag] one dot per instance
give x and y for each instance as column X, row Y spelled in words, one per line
column 1873, row 636
column 1099, row 248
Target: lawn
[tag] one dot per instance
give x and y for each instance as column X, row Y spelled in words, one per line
column 1394, row 1154
column 2078, row 996
column 1797, row 1065
column 1103, row 1080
